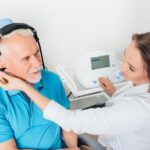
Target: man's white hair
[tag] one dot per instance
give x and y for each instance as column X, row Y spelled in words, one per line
column 23, row 32
column 3, row 47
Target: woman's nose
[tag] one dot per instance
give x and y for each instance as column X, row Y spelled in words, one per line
column 123, row 67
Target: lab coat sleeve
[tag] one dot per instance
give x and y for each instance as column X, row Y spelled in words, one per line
column 116, row 119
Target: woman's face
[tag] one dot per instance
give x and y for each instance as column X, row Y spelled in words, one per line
column 133, row 67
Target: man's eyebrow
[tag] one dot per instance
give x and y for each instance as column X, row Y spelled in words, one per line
column 29, row 55
column 37, row 51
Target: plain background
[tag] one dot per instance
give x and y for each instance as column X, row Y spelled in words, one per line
column 69, row 27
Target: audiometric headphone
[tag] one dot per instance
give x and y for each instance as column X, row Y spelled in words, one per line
column 14, row 26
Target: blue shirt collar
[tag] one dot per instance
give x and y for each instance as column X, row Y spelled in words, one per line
column 38, row 85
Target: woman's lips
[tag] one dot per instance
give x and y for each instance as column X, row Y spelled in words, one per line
column 124, row 75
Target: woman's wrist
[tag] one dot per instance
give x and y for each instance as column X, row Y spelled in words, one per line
column 35, row 96
column 25, row 87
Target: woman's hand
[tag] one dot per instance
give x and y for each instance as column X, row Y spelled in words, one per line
column 9, row 82
column 107, row 85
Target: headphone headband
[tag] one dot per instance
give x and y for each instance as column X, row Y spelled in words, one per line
column 14, row 26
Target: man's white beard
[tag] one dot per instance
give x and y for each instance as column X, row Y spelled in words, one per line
column 37, row 77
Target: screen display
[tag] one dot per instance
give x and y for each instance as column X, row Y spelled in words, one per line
column 100, row 62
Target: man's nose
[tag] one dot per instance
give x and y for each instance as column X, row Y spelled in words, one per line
column 36, row 61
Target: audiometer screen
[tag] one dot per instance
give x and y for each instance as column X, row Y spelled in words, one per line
column 100, row 62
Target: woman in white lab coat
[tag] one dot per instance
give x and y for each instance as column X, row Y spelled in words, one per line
column 124, row 124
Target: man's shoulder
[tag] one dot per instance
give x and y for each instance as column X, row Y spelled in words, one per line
column 3, row 97
column 49, row 75
column 2, row 92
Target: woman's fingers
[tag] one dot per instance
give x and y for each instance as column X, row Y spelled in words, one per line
column 103, row 85
column 107, row 85
column 104, row 81
column 3, row 81
column 5, row 76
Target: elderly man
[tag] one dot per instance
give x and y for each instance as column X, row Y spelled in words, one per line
column 22, row 125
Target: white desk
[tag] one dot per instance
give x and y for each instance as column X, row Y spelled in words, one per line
column 80, row 103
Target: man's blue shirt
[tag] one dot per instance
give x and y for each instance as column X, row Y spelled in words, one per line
column 22, row 120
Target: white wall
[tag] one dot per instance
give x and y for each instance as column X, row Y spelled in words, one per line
column 69, row 27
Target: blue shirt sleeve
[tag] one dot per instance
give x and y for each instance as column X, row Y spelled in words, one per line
column 64, row 99
column 54, row 87
column 6, row 132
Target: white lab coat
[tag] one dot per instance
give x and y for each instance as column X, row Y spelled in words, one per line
column 124, row 124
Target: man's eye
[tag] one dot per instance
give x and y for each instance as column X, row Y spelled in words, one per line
column 25, row 59
column 38, row 53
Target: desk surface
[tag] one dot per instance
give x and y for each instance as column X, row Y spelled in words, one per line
column 88, row 101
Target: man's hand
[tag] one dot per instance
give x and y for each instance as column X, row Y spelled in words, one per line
column 107, row 85
column 74, row 148
column 70, row 139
